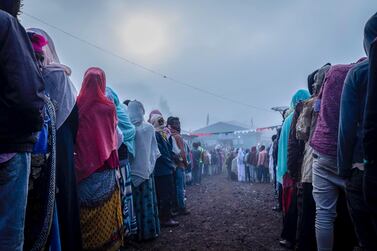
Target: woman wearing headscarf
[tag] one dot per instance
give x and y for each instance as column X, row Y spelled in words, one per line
column 142, row 167
column 288, row 234
column 63, row 94
column 163, row 172
column 241, row 165
column 41, row 224
column 96, row 161
column 126, row 152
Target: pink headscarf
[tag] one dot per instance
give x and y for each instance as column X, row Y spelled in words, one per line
column 96, row 137
column 38, row 42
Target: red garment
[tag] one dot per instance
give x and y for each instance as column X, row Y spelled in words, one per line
column 96, row 136
column 181, row 145
column 289, row 190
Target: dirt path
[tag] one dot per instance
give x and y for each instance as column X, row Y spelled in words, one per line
column 224, row 216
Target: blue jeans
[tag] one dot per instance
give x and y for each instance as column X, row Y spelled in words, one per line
column 326, row 188
column 14, row 180
column 180, row 185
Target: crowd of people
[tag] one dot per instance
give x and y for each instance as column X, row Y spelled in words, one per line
column 324, row 157
column 252, row 166
column 84, row 170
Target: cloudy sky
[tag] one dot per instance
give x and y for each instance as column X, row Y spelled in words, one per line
column 258, row 52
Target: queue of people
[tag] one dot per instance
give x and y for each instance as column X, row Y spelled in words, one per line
column 82, row 170
column 324, row 155
column 252, row 166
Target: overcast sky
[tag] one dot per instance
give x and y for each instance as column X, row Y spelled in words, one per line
column 256, row 51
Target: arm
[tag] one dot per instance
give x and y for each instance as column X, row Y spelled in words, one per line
column 348, row 122
column 22, row 84
column 370, row 119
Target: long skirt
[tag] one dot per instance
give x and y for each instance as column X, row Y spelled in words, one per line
column 145, row 202
column 241, row 172
column 129, row 217
column 66, row 198
column 100, row 212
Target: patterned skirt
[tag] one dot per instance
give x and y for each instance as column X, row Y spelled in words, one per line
column 100, row 212
column 146, row 209
column 129, row 217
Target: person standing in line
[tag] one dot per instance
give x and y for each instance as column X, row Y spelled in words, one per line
column 163, row 172
column 327, row 184
column 289, row 204
column 142, row 174
column 63, row 94
column 195, row 162
column 262, row 161
column 370, row 134
column 126, row 152
column 228, row 163
column 96, row 161
column 304, row 130
column 253, row 162
column 240, row 165
column 22, row 103
column 350, row 154
column 247, row 166
column 181, row 163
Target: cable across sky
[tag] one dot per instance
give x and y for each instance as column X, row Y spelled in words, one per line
column 145, row 68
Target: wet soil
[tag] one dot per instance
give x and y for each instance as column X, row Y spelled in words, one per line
column 225, row 215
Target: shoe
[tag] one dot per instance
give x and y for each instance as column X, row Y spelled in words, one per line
column 286, row 244
column 183, row 212
column 169, row 223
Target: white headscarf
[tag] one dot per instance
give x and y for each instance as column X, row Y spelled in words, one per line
column 146, row 148
column 57, row 83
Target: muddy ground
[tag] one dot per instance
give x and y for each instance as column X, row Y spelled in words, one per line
column 225, row 215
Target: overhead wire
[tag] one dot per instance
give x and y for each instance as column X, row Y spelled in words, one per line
column 145, row 68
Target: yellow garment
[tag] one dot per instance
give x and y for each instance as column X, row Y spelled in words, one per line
column 101, row 227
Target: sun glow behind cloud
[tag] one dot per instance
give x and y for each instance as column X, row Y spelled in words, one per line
column 146, row 37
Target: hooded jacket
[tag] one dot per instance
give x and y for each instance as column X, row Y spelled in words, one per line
column 21, row 88
column 370, row 119
column 350, row 148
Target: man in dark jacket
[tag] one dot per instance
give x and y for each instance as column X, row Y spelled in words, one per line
column 21, row 104
column 350, row 150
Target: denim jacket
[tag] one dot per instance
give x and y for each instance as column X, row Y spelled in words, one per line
column 350, row 137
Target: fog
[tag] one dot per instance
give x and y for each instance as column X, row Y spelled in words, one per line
column 244, row 56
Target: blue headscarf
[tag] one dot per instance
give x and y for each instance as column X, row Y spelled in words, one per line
column 282, row 166
column 124, row 123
